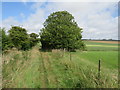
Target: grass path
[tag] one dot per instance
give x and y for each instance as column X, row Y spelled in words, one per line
column 44, row 72
column 37, row 68
column 50, row 78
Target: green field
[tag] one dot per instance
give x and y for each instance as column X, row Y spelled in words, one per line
column 95, row 46
column 37, row 69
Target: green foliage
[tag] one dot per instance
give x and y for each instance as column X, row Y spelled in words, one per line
column 33, row 39
column 6, row 42
column 61, row 31
column 19, row 38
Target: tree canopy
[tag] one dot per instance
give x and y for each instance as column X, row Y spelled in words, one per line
column 61, row 31
column 33, row 39
column 6, row 42
column 19, row 38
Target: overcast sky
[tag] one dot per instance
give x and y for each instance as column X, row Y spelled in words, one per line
column 99, row 20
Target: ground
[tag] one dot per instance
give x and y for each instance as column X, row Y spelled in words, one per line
column 37, row 69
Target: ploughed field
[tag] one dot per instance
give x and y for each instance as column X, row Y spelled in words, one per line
column 37, row 69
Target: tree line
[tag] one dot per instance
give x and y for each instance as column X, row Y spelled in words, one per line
column 60, row 32
column 19, row 38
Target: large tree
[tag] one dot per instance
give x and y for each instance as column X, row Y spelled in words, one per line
column 61, row 31
column 19, row 38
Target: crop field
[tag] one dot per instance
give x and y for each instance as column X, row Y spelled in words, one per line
column 102, row 45
column 58, row 68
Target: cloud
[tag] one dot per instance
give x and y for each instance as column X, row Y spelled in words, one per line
column 7, row 23
column 105, row 24
column 24, row 1
column 22, row 15
column 96, row 19
column 34, row 21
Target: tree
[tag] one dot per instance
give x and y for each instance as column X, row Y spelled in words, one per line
column 33, row 39
column 6, row 42
column 19, row 38
column 61, row 31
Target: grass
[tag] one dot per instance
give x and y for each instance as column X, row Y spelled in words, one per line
column 108, row 58
column 36, row 69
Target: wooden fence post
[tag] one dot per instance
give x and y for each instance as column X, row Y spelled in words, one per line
column 99, row 65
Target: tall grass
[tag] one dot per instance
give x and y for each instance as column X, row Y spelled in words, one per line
column 37, row 69
column 79, row 73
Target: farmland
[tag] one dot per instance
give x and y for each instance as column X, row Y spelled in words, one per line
column 38, row 69
column 102, row 45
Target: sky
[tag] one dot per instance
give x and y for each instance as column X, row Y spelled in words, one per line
column 99, row 20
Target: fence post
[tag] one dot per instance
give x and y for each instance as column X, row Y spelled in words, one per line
column 99, row 65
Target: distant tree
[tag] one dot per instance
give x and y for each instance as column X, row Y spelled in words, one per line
column 104, row 39
column 19, row 38
column 110, row 39
column 61, row 31
column 33, row 39
column 6, row 42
